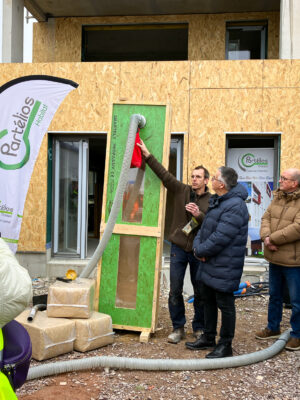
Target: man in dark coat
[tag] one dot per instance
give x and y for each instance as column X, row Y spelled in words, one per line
column 220, row 245
column 190, row 204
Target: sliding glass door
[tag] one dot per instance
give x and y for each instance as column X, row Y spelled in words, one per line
column 70, row 197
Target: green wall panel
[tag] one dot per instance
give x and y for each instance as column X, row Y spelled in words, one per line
column 152, row 134
column 141, row 316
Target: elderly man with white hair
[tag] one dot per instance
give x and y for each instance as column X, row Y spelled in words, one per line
column 280, row 231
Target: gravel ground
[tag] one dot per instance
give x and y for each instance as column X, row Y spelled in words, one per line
column 276, row 378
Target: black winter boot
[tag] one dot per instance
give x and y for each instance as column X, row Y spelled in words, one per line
column 201, row 344
column 221, row 350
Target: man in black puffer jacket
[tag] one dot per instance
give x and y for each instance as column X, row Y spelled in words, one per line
column 220, row 245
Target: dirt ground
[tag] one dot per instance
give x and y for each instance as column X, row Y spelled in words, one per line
column 277, row 378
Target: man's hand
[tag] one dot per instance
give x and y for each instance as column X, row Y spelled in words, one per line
column 269, row 245
column 193, row 209
column 144, row 149
column 203, row 259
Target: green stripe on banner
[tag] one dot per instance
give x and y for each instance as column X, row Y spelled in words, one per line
column 20, row 216
column 5, row 212
column 10, row 240
column 25, row 139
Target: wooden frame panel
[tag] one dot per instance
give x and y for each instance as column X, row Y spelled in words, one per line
column 157, row 138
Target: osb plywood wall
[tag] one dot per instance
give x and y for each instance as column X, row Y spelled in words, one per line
column 60, row 39
column 243, row 96
column 206, row 98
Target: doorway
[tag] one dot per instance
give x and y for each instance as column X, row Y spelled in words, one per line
column 78, row 166
column 256, row 160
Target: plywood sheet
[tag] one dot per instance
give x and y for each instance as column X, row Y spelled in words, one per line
column 43, row 47
column 163, row 82
column 33, row 228
column 226, row 74
column 206, row 34
column 207, row 37
column 281, row 73
column 86, row 109
column 68, row 36
column 214, row 112
column 276, row 73
column 281, row 114
column 294, row 73
column 273, row 35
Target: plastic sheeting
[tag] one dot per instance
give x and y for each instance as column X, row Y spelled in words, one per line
column 129, row 252
column 15, row 286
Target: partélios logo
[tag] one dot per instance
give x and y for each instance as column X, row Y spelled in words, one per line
column 5, row 209
column 14, row 142
column 249, row 160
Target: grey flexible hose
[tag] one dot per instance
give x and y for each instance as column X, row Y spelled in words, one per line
column 34, row 310
column 136, row 121
column 159, row 364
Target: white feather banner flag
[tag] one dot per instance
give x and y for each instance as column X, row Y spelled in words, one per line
column 27, row 106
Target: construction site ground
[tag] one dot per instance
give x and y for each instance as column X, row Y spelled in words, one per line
column 277, row 378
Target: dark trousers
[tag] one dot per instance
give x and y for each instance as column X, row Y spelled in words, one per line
column 214, row 300
column 178, row 264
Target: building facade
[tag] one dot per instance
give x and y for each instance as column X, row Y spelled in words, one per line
column 232, row 101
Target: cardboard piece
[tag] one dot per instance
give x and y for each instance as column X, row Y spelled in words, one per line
column 50, row 337
column 71, row 299
column 93, row 332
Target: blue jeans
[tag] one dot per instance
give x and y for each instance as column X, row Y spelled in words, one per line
column 277, row 274
column 178, row 264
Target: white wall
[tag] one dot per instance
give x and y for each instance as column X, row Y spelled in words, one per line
column 289, row 44
column 1, row 9
column 27, row 43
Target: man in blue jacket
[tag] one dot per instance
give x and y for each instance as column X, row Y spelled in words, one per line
column 220, row 245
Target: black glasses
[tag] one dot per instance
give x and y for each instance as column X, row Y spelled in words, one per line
column 283, row 178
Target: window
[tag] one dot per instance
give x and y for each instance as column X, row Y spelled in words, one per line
column 135, row 42
column 255, row 157
column 175, row 167
column 246, row 40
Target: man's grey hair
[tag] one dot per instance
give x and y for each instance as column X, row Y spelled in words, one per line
column 296, row 176
column 229, row 177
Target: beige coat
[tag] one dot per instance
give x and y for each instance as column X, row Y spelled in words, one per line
column 281, row 222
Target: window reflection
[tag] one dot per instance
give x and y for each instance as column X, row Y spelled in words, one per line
column 128, row 272
column 133, row 196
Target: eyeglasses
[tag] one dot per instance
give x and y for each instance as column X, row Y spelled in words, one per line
column 283, row 178
column 213, row 178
